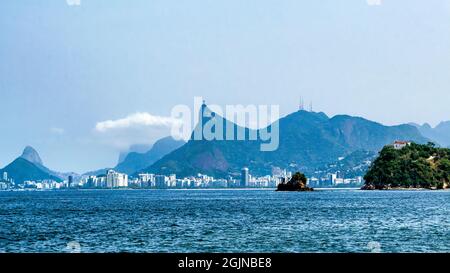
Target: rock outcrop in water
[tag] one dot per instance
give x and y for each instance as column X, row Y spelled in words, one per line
column 297, row 183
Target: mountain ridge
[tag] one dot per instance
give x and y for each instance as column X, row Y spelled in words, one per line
column 29, row 166
column 439, row 134
column 135, row 161
column 308, row 140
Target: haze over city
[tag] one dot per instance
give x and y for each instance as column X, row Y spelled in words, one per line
column 68, row 68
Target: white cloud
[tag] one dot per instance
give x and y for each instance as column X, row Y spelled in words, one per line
column 73, row 2
column 57, row 131
column 374, row 2
column 138, row 128
column 137, row 120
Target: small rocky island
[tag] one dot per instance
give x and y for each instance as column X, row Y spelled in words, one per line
column 406, row 165
column 296, row 183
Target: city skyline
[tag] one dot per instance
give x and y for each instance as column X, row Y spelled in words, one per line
column 67, row 68
column 112, row 179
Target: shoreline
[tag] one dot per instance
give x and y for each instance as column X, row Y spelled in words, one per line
column 235, row 189
column 403, row 189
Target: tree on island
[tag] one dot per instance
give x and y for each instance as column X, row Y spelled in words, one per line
column 296, row 183
column 414, row 166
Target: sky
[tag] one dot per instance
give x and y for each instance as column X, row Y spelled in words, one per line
column 81, row 80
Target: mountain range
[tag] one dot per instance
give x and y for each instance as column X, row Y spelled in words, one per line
column 135, row 161
column 132, row 161
column 439, row 134
column 29, row 166
column 308, row 141
column 136, row 148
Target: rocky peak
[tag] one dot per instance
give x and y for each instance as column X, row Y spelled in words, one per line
column 30, row 154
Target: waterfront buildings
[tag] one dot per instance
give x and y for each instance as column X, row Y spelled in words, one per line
column 70, row 181
column 161, row 181
column 245, row 177
column 113, row 180
column 116, row 180
column 6, row 182
column 335, row 180
column 42, row 185
column 96, row 182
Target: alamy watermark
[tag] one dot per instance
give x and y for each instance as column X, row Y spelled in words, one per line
column 374, row 247
column 212, row 122
column 73, row 247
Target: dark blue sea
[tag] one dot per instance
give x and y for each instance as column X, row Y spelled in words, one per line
column 225, row 221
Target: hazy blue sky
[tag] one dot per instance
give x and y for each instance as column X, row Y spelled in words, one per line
column 64, row 68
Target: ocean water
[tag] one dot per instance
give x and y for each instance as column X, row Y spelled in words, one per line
column 225, row 221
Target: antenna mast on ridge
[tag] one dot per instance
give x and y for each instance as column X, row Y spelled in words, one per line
column 301, row 105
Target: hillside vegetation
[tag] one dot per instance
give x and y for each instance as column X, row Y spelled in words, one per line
column 414, row 166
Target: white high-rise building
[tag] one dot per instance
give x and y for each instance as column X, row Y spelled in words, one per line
column 147, row 180
column 146, row 177
column 172, row 180
column 116, row 180
column 5, row 176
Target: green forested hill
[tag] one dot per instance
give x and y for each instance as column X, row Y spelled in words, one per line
column 414, row 166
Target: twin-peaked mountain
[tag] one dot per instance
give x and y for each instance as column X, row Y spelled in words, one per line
column 29, row 166
column 307, row 141
column 31, row 155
